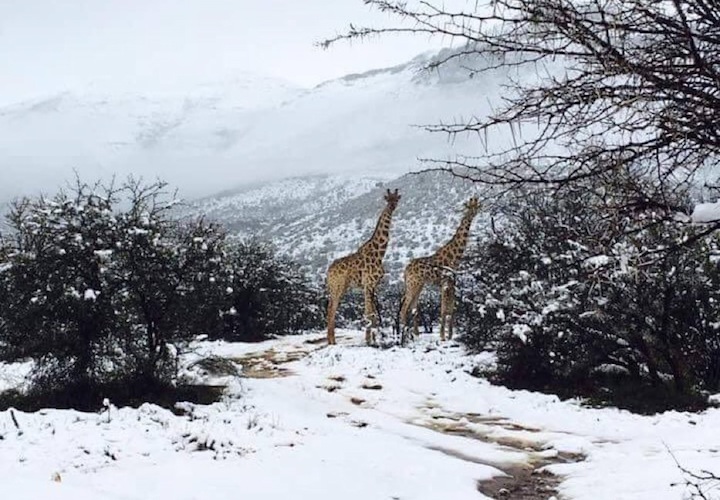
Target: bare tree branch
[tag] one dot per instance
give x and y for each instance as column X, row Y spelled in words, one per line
column 603, row 84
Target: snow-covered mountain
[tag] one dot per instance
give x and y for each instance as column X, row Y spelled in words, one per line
column 183, row 137
column 305, row 168
column 315, row 219
column 245, row 130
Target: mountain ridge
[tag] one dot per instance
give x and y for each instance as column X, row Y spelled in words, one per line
column 330, row 216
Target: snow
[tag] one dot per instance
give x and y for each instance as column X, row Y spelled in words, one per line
column 521, row 331
column 597, row 261
column 706, row 212
column 351, row 422
column 14, row 375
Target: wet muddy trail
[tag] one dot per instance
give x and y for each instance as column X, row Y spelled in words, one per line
column 528, row 479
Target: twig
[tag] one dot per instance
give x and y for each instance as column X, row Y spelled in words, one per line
column 14, row 419
column 700, row 482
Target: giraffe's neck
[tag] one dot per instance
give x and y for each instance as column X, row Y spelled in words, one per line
column 450, row 253
column 377, row 244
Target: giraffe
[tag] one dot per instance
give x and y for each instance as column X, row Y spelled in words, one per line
column 438, row 269
column 362, row 269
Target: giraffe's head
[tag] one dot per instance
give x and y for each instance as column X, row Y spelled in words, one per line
column 392, row 198
column 472, row 206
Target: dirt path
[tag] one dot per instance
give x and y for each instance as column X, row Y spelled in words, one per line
column 527, row 480
column 523, row 481
column 269, row 363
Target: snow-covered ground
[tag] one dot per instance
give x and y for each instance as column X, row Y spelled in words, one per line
column 351, row 422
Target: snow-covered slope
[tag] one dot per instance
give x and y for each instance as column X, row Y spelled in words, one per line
column 316, row 219
column 245, row 130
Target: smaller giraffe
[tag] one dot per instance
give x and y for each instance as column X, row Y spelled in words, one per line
column 437, row 269
column 363, row 269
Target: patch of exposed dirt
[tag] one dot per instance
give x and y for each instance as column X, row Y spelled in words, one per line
column 258, row 366
column 266, row 364
column 519, row 481
column 331, row 387
column 217, row 366
column 319, row 340
column 522, row 481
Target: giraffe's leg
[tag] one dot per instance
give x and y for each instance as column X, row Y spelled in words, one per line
column 414, row 308
column 402, row 317
column 447, row 299
column 416, row 318
column 451, row 310
column 443, row 305
column 331, row 311
column 335, row 293
column 371, row 315
column 412, row 293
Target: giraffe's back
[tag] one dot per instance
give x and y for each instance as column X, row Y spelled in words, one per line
column 357, row 269
column 424, row 269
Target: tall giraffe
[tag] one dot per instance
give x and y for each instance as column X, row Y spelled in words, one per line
column 438, row 269
column 363, row 269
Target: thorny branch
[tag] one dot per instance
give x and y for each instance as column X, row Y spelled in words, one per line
column 698, row 483
column 600, row 86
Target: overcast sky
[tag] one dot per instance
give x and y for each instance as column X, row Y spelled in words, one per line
column 54, row 45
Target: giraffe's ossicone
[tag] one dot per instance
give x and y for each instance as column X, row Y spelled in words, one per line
column 437, row 269
column 362, row 269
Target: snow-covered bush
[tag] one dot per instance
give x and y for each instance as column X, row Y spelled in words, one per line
column 265, row 294
column 579, row 294
column 388, row 298
column 428, row 308
column 59, row 284
column 169, row 270
column 98, row 283
column 102, row 285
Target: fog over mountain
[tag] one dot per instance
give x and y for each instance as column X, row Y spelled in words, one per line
column 247, row 129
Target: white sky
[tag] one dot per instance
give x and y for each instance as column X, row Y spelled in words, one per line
column 54, row 45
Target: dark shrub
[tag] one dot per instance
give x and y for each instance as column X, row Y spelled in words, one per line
column 580, row 299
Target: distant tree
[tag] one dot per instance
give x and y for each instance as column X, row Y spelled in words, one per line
column 428, row 309
column 388, row 298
